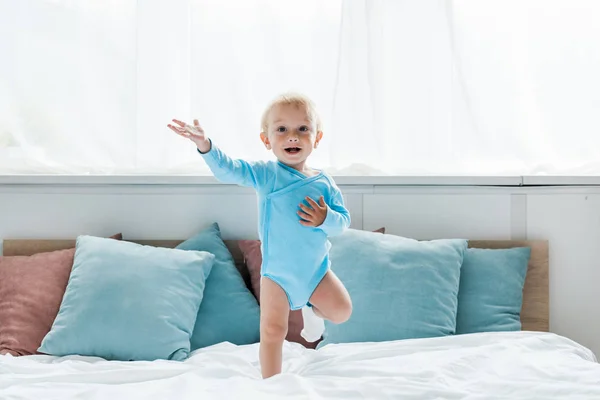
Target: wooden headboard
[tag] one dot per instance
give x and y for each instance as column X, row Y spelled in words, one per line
column 535, row 313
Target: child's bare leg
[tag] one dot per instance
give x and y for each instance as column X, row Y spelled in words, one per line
column 331, row 300
column 274, row 313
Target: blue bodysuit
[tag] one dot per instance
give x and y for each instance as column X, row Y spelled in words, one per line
column 296, row 257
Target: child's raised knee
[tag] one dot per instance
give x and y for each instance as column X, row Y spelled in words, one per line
column 342, row 313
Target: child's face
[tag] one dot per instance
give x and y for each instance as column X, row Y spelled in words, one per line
column 291, row 135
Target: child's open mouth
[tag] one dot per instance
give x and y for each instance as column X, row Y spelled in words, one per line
column 292, row 150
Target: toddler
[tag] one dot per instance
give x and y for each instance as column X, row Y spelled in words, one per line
column 299, row 207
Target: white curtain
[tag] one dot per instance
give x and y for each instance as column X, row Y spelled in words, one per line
column 405, row 87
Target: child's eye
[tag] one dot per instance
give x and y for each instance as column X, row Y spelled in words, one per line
column 281, row 129
column 304, row 128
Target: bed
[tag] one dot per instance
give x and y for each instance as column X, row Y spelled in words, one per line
column 528, row 364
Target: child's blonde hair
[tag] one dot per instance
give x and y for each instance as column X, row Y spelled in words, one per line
column 292, row 99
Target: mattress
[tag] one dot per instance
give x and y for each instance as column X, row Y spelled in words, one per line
column 515, row 365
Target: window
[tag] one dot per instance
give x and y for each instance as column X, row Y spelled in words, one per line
column 463, row 87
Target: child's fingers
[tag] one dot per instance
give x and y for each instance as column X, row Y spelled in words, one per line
column 305, row 216
column 180, row 123
column 322, row 201
column 196, row 123
column 177, row 131
column 174, row 129
column 306, row 223
column 312, row 203
column 306, row 209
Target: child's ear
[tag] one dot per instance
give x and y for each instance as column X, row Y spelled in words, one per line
column 265, row 139
column 318, row 138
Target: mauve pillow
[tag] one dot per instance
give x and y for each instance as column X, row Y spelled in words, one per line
column 253, row 259
column 31, row 291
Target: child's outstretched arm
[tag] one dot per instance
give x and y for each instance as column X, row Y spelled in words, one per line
column 224, row 168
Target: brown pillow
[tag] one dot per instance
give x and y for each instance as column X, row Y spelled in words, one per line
column 253, row 259
column 31, row 291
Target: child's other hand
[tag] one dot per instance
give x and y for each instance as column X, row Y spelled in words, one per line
column 315, row 214
column 194, row 133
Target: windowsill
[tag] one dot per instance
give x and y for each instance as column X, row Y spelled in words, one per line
column 340, row 180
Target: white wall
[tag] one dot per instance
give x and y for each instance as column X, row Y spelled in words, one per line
column 569, row 217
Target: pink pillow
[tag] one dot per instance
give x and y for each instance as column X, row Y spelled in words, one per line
column 31, row 291
column 253, row 258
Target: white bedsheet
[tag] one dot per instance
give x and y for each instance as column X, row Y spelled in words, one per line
column 519, row 365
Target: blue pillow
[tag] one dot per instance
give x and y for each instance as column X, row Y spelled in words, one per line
column 229, row 312
column 129, row 302
column 491, row 290
column 400, row 288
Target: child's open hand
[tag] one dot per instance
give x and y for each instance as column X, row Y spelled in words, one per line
column 194, row 133
column 315, row 214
